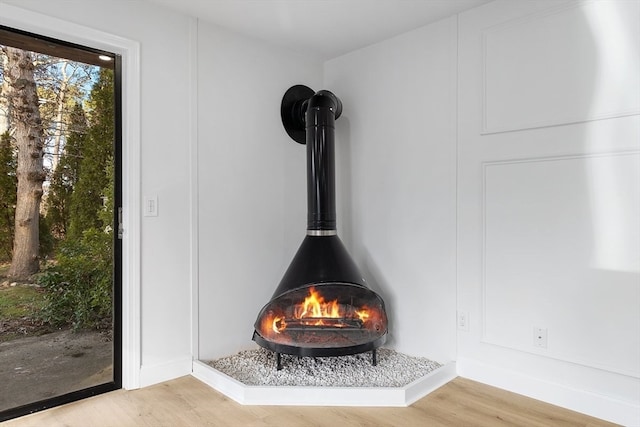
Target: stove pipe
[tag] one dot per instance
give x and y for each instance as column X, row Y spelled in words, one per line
column 322, row 110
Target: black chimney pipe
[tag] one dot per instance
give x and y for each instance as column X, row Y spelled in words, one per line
column 322, row 110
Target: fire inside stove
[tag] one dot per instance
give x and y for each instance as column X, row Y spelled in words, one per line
column 328, row 316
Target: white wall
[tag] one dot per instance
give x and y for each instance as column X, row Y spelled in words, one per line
column 549, row 201
column 251, row 179
column 396, row 179
column 165, row 94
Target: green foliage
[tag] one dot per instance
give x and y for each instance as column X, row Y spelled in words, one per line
column 8, row 185
column 66, row 175
column 79, row 286
column 79, row 283
column 88, row 192
column 46, row 240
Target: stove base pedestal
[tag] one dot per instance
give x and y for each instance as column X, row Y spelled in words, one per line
column 374, row 359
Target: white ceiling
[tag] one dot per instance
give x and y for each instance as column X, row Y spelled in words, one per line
column 322, row 29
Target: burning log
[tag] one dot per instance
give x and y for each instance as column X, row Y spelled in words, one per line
column 319, row 323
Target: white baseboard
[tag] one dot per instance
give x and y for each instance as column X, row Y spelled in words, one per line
column 323, row 396
column 595, row 405
column 155, row 374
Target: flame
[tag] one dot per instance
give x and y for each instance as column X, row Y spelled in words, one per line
column 315, row 306
column 278, row 324
column 272, row 324
column 363, row 314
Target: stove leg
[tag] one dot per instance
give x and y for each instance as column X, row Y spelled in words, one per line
column 278, row 361
column 374, row 359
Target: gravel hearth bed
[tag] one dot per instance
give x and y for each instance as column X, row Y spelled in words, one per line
column 258, row 368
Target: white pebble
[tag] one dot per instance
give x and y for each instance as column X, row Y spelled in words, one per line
column 258, row 367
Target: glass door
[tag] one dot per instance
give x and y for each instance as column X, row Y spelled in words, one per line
column 60, row 193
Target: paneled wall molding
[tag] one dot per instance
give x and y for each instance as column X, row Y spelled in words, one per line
column 486, row 337
column 562, row 122
column 603, row 97
column 556, row 157
column 548, row 199
column 564, row 358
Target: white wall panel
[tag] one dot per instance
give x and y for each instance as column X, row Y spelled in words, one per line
column 542, row 248
column 548, row 214
column 573, row 63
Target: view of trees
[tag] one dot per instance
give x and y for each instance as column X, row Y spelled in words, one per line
column 56, row 181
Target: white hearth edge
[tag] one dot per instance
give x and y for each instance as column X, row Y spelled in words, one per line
column 324, row 396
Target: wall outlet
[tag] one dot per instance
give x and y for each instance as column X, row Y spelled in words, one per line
column 463, row 321
column 539, row 337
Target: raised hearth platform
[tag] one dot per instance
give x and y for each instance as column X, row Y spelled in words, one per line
column 397, row 396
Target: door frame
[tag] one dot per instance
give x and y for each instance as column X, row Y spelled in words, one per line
column 129, row 51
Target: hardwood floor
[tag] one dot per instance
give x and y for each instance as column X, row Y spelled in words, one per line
column 188, row 402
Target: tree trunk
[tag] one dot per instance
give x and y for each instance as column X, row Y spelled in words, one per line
column 58, row 123
column 4, row 101
column 29, row 138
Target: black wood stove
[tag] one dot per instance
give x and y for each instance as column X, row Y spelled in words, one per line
column 322, row 306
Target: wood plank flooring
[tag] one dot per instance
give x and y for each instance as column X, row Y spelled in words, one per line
column 188, row 402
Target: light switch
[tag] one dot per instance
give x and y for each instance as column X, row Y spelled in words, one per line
column 151, row 206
